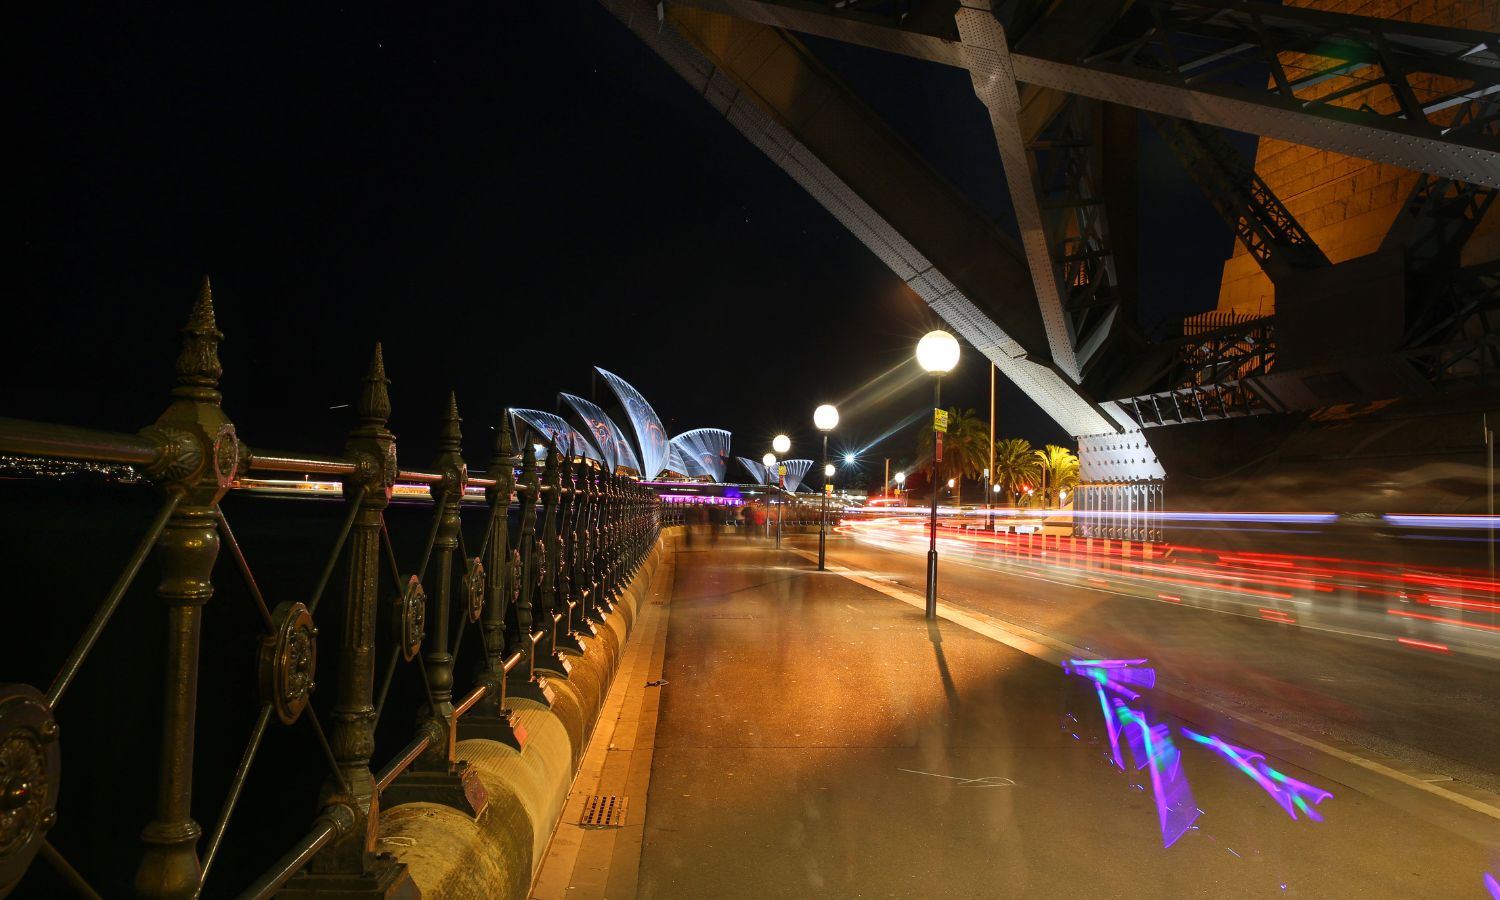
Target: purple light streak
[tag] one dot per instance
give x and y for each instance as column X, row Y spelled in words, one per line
column 1287, row 791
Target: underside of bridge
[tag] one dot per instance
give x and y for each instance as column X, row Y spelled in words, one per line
column 1364, row 295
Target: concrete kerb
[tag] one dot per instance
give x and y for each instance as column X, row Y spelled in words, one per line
column 497, row 855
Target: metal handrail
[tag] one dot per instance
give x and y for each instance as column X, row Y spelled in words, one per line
column 301, row 464
column 292, row 861
column 402, row 762
column 70, row 442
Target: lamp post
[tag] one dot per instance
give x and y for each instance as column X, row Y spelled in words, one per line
column 826, row 418
column 937, row 354
column 988, row 521
column 901, row 486
column 781, row 444
column 769, row 461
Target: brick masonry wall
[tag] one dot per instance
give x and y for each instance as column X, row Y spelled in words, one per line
column 1348, row 204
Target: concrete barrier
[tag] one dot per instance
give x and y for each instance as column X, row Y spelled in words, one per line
column 450, row 854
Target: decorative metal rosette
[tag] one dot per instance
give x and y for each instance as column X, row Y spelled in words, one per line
column 513, row 586
column 474, row 585
column 289, row 661
column 226, row 455
column 30, row 768
column 411, row 618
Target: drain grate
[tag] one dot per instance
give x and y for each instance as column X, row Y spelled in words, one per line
column 604, row 811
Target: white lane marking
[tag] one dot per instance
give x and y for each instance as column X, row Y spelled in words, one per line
column 1054, row 651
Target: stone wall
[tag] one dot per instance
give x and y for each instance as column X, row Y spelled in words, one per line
column 496, row 856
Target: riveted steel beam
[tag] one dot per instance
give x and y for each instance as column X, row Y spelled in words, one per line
column 1225, row 45
column 986, row 55
column 968, row 271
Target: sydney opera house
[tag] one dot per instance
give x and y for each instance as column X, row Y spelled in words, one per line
column 642, row 449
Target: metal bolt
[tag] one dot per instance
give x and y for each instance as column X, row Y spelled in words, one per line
column 16, row 793
column 48, row 731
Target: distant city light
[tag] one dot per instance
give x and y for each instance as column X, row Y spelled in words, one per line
column 849, row 459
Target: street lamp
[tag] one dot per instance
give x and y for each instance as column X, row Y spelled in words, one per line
column 937, row 354
column 781, row 443
column 989, row 518
column 826, row 418
column 901, row 486
column 769, row 461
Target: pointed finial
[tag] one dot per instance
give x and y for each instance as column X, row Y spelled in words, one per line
column 375, row 399
column 198, row 365
column 502, row 440
column 451, row 437
column 550, row 463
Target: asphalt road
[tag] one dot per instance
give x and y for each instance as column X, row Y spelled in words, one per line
column 818, row 738
column 1437, row 714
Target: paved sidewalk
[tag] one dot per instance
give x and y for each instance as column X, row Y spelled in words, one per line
column 818, row 738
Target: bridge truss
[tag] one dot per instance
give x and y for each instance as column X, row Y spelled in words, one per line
column 1062, row 81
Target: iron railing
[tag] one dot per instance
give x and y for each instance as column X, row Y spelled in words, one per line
column 531, row 588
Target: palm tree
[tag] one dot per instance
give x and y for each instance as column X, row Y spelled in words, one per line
column 1059, row 469
column 1015, row 465
column 966, row 447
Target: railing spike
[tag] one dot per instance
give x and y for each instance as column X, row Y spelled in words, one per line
column 375, row 398
column 198, row 364
column 450, row 435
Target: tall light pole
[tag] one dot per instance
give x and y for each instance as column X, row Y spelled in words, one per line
column 937, row 354
column 781, row 444
column 901, row 486
column 987, row 520
column 826, row 418
column 1489, row 449
column 769, row 461
column 989, row 517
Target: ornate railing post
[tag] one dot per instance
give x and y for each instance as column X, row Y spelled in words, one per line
column 199, row 453
column 490, row 718
column 349, row 865
column 593, row 550
column 529, row 618
column 547, row 614
column 450, row 464
column 583, row 589
column 561, row 548
column 614, row 534
column 439, row 776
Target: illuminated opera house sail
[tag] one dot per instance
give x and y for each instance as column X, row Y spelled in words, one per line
column 642, row 448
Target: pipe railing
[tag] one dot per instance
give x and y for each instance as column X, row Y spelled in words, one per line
column 562, row 540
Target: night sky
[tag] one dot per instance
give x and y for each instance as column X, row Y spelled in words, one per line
column 504, row 195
